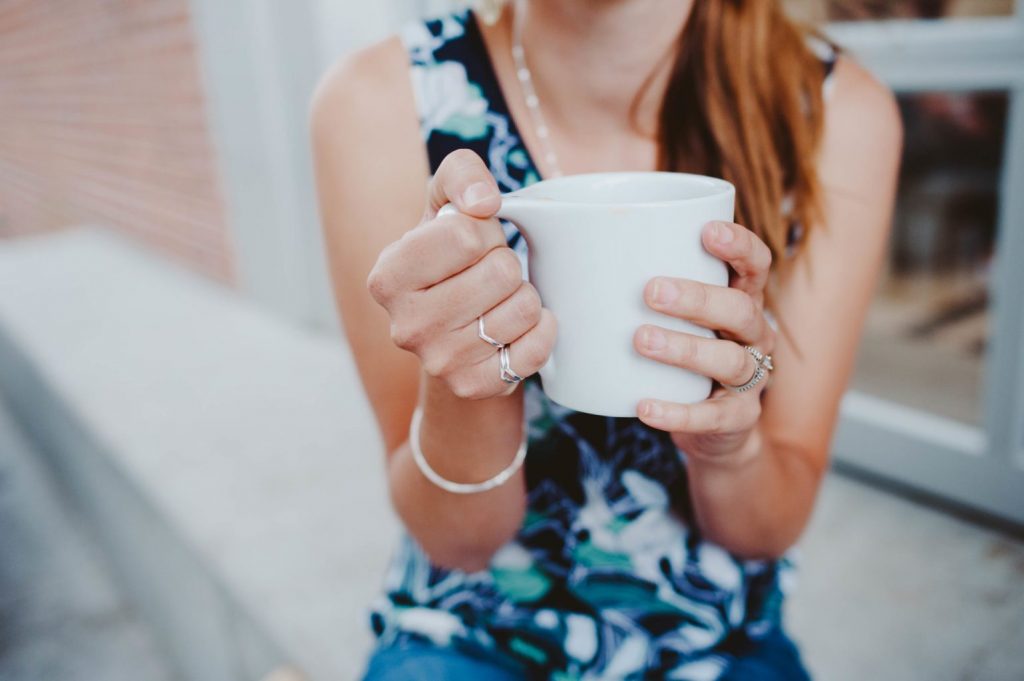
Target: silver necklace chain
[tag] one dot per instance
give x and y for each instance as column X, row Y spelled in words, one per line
column 540, row 127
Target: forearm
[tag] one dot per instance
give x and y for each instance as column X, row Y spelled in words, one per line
column 756, row 503
column 464, row 441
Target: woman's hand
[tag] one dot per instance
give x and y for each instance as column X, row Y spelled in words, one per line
column 717, row 428
column 443, row 274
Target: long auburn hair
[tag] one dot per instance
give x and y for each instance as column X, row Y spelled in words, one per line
column 744, row 103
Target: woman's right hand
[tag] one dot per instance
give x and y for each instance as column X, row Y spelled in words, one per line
column 440, row 276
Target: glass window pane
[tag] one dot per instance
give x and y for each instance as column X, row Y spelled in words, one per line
column 928, row 329
column 854, row 10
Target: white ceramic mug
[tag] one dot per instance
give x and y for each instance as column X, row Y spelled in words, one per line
column 594, row 241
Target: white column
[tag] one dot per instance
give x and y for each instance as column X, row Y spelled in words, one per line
column 261, row 60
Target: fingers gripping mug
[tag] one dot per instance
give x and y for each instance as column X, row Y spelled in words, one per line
column 594, row 241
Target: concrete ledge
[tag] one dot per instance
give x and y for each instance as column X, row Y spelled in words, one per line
column 227, row 459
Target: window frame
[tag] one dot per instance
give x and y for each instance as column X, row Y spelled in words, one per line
column 980, row 467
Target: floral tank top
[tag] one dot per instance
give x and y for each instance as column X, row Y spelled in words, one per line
column 608, row 576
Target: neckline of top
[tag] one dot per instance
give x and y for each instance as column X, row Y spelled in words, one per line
column 498, row 102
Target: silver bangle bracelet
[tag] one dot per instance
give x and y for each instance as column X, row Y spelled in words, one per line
column 458, row 487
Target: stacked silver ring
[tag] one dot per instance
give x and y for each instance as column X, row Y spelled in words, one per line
column 483, row 334
column 506, row 372
column 764, row 366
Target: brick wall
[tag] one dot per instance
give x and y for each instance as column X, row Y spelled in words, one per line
column 102, row 121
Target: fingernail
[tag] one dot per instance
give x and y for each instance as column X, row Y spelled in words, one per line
column 662, row 292
column 475, row 193
column 650, row 409
column 654, row 339
column 723, row 234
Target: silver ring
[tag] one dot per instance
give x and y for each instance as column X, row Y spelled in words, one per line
column 483, row 334
column 507, row 374
column 764, row 366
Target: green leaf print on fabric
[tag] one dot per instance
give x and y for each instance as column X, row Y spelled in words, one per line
column 517, row 158
column 448, row 101
column 517, row 576
column 616, row 590
column 522, row 586
column 564, row 676
column 586, row 553
column 467, row 123
column 527, row 650
column 617, row 524
column 532, row 517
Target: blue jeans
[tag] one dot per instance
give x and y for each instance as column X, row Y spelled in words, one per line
column 772, row 658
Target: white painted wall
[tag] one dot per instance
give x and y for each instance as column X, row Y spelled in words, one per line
column 343, row 26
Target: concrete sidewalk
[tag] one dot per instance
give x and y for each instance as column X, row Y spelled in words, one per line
column 892, row 590
column 62, row 616
column 227, row 459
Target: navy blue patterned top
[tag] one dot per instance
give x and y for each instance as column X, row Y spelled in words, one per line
column 608, row 577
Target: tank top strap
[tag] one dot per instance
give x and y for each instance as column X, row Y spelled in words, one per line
column 459, row 99
column 828, row 55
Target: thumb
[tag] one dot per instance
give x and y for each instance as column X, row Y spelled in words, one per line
column 464, row 180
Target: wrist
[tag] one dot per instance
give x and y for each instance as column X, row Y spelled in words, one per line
column 453, row 486
column 436, row 389
column 749, row 450
column 468, row 440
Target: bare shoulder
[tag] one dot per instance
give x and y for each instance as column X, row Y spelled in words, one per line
column 370, row 159
column 863, row 128
column 361, row 87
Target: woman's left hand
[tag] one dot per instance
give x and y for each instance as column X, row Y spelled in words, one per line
column 718, row 427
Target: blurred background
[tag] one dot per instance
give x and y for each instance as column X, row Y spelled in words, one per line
column 190, row 478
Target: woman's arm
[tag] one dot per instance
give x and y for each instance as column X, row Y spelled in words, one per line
column 372, row 173
column 753, row 489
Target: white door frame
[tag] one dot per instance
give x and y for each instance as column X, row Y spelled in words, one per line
column 260, row 61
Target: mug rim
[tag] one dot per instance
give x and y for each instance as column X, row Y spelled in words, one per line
column 719, row 187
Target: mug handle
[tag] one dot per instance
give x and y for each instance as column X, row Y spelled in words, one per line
column 547, row 372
